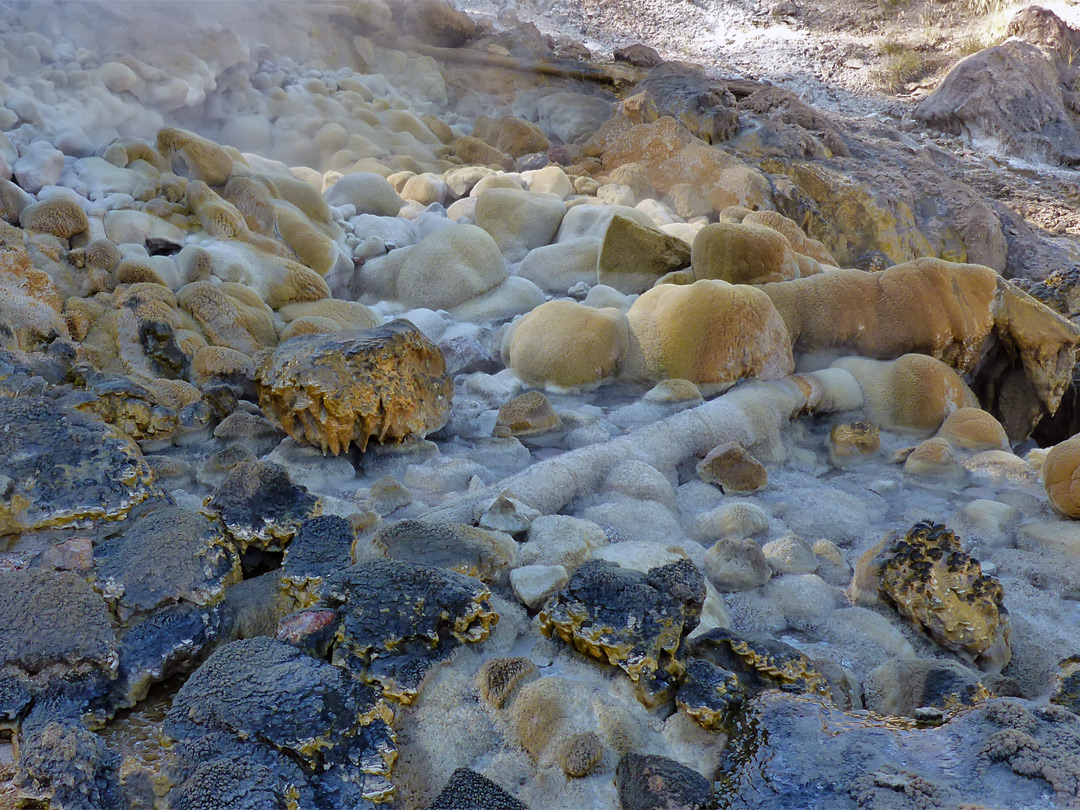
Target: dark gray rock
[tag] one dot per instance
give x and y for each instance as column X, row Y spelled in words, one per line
column 468, row 790
column 649, row 782
column 1010, row 95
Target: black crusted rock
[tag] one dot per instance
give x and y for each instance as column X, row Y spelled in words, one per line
column 61, row 759
column 760, row 663
column 400, row 618
column 468, row 790
column 320, row 549
column 172, row 555
column 51, row 618
column 60, row 467
column 238, row 782
column 242, row 686
column 260, row 506
column 800, row 751
column 710, row 694
column 169, row 641
column 633, row 620
column 14, row 695
column 648, row 782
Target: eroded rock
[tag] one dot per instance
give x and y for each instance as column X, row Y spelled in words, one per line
column 337, row 389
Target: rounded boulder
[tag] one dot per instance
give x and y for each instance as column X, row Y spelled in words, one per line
column 706, row 332
column 449, row 267
column 564, row 344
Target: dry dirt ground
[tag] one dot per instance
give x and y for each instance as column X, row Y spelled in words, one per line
column 852, row 58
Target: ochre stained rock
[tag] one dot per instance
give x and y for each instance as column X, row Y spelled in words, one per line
column 965, row 315
column 331, row 390
column 1061, row 475
column 934, row 584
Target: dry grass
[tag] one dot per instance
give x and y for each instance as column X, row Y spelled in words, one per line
column 900, row 65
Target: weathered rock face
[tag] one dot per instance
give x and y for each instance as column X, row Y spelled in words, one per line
column 1042, row 27
column 632, row 620
column 337, row 389
column 704, row 105
column 1008, row 95
column 259, row 695
column 933, row 583
column 795, row 751
column 398, row 619
column 60, row 467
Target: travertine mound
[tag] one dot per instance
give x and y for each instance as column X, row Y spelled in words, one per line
column 961, row 314
column 1061, row 475
column 706, row 332
column 333, row 390
column 974, row 429
column 913, row 393
column 565, row 344
column 743, row 254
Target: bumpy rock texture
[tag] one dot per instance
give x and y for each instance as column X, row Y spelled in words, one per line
column 632, row 620
column 65, row 468
column 334, row 390
column 400, row 618
column 933, row 582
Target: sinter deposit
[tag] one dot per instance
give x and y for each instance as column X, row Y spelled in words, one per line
column 413, row 408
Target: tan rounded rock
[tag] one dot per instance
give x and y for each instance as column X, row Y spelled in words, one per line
column 853, row 439
column 564, row 344
column 195, row 157
column 1061, row 476
column 732, row 469
column 449, row 267
column 345, row 314
column 527, row 415
column 579, row 754
column 933, row 458
column 974, row 429
column 743, row 254
column 706, row 332
column 736, row 565
column 913, row 393
column 59, row 216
